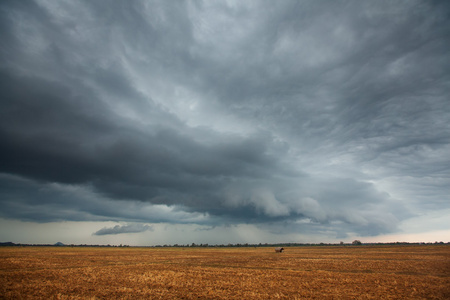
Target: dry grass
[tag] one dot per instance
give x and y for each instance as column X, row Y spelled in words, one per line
column 377, row 272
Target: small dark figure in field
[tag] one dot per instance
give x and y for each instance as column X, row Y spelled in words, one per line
column 279, row 249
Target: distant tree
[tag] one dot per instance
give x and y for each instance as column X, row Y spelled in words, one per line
column 356, row 242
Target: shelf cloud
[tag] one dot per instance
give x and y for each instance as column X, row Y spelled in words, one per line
column 327, row 117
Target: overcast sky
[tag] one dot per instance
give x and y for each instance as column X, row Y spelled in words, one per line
column 152, row 122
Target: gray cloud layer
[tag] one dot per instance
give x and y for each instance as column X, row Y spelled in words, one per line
column 216, row 113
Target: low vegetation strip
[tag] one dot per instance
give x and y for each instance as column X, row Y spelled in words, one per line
column 368, row 272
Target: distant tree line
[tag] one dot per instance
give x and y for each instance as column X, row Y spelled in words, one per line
column 354, row 243
column 10, row 244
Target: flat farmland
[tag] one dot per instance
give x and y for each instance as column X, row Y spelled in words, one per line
column 335, row 272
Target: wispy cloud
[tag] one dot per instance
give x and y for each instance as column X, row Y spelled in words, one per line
column 120, row 229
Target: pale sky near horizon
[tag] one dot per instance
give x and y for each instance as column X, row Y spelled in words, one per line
column 173, row 122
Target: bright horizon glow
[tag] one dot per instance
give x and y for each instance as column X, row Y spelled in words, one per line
column 165, row 234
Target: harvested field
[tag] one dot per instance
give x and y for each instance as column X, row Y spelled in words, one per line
column 347, row 272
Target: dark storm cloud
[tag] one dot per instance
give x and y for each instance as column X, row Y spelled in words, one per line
column 28, row 200
column 297, row 112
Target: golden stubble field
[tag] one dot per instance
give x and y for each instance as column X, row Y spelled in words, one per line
column 347, row 272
